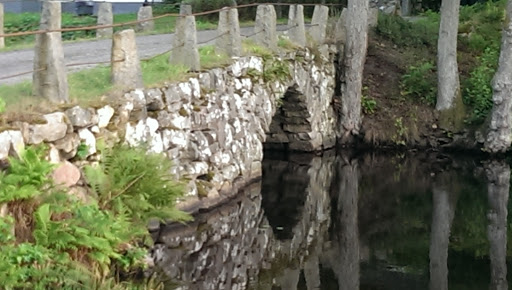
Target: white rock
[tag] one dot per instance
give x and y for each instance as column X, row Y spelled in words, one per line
column 89, row 140
column 105, row 114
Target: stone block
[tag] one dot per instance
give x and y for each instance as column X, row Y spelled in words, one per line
column 265, row 27
column 126, row 71
column 319, row 23
column 105, row 17
column 185, row 9
column 185, row 50
column 340, row 31
column 2, row 40
column 50, row 77
column 373, row 17
column 145, row 13
column 80, row 117
column 55, row 128
column 297, row 31
column 228, row 29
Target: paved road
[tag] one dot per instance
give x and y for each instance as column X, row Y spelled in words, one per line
column 14, row 62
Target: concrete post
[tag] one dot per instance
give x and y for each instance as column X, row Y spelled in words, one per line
column 2, row 41
column 185, row 9
column 265, row 27
column 126, row 70
column 297, row 32
column 145, row 12
column 49, row 79
column 229, row 41
column 373, row 17
column 405, row 7
column 184, row 44
column 105, row 17
column 319, row 23
column 340, row 31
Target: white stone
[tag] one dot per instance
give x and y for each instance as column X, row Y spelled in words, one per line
column 55, row 129
column 105, row 114
column 89, row 140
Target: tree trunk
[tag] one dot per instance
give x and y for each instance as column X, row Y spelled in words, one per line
column 499, row 136
column 352, row 68
column 448, row 73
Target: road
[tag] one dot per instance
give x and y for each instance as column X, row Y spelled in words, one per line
column 19, row 61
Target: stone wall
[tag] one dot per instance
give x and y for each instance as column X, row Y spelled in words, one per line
column 211, row 126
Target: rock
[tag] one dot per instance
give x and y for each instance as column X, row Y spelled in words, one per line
column 66, row 174
column 80, row 193
column 154, row 100
column 55, row 129
column 265, row 27
column 126, row 70
column 105, row 17
column 89, row 140
column 145, row 13
column 68, row 145
column 80, row 117
column 104, row 116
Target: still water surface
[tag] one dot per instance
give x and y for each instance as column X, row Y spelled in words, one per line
column 351, row 221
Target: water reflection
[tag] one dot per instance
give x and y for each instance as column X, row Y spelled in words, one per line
column 351, row 222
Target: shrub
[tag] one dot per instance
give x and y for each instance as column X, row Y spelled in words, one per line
column 478, row 88
column 404, row 33
column 420, row 82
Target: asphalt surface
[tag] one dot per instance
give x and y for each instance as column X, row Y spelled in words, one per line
column 93, row 51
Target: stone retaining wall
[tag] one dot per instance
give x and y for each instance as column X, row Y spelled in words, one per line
column 211, row 126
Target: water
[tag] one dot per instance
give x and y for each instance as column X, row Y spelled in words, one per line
column 351, row 221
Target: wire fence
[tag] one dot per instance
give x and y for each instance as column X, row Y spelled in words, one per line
column 141, row 21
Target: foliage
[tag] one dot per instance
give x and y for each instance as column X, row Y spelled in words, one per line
column 210, row 58
column 401, row 131
column 404, row 33
column 25, row 177
column 2, row 105
column 368, row 104
column 131, row 181
column 276, row 70
column 76, row 244
column 420, row 82
column 477, row 94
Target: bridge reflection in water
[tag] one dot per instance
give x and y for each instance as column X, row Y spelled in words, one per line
column 347, row 221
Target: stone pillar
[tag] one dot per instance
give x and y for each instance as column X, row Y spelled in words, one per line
column 185, row 9
column 405, row 7
column 319, row 23
column 340, row 31
column 265, row 27
column 184, row 44
column 297, row 32
column 126, row 71
column 2, row 41
column 373, row 17
column 145, row 12
column 229, row 41
column 50, row 77
column 105, row 17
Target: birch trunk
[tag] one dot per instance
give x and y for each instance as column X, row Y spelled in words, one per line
column 448, row 73
column 352, row 68
column 499, row 135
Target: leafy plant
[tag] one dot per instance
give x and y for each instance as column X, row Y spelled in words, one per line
column 478, row 90
column 368, row 104
column 276, row 71
column 401, row 131
column 131, row 181
column 419, row 82
column 26, row 176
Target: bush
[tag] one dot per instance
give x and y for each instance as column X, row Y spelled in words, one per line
column 477, row 94
column 404, row 33
column 420, row 82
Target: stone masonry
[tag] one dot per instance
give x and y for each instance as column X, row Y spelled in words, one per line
column 212, row 126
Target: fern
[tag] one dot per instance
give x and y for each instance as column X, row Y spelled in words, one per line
column 133, row 181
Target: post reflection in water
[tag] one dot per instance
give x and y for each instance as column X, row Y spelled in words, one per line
column 498, row 175
column 376, row 222
column 443, row 200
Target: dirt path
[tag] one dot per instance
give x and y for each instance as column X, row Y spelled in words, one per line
column 18, row 61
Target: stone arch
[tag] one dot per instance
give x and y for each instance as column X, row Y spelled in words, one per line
column 290, row 128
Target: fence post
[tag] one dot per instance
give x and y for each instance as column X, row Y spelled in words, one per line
column 184, row 44
column 126, row 70
column 340, row 31
column 145, row 12
column 297, row 32
column 49, row 79
column 105, row 17
column 319, row 23
column 2, row 40
column 265, row 27
column 229, row 40
column 185, row 9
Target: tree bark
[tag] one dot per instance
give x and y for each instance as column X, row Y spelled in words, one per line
column 352, row 68
column 499, row 135
column 448, row 73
